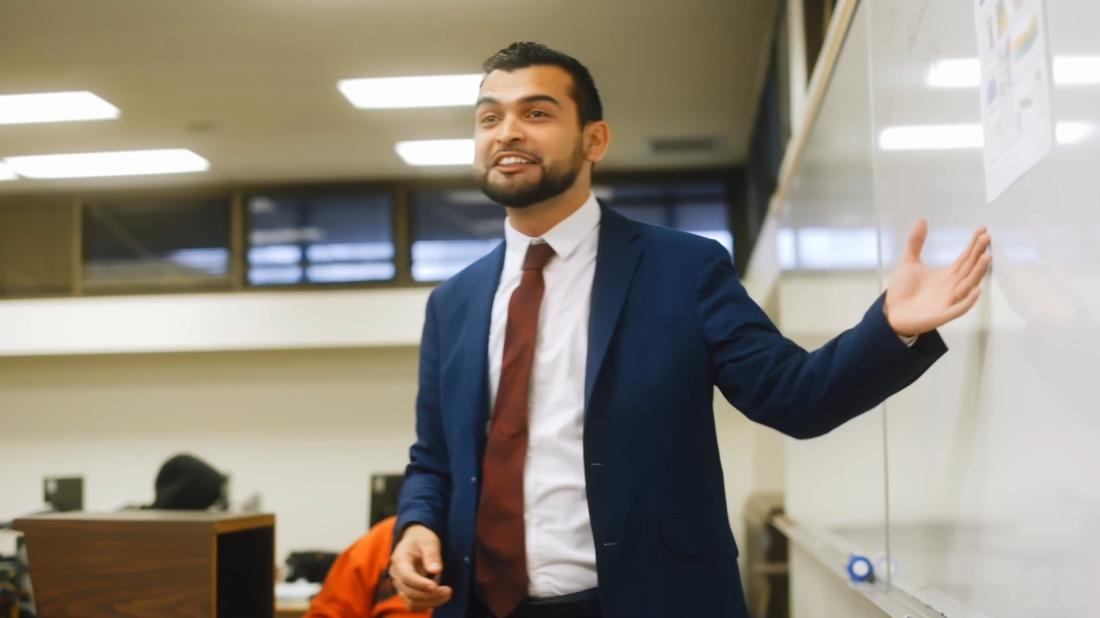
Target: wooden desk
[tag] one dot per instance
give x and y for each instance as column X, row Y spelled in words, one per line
column 291, row 609
column 155, row 564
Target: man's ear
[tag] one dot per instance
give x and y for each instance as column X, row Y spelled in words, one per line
column 597, row 138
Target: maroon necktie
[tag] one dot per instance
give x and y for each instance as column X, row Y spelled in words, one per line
column 501, row 551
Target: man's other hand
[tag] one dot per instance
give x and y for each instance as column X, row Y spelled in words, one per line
column 416, row 567
column 920, row 299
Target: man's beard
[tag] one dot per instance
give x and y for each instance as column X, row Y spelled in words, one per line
column 553, row 182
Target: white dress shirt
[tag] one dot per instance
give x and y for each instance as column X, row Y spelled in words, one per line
column 561, row 554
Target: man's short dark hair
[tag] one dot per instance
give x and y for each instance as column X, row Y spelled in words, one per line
column 523, row 54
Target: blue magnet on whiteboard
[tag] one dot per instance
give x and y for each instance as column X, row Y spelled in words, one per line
column 860, row 569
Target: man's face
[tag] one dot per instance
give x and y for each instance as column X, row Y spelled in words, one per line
column 528, row 140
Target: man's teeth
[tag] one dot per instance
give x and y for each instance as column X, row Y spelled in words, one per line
column 512, row 161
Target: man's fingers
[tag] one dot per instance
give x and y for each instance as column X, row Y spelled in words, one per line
column 415, row 606
column 436, row 597
column 916, row 241
column 411, row 581
column 429, row 557
column 981, row 243
column 406, row 575
column 963, row 305
column 964, row 255
column 978, row 243
column 419, row 592
column 416, row 569
column 972, row 278
column 419, row 601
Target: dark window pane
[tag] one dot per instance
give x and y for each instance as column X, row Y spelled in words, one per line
column 324, row 238
column 451, row 230
column 698, row 207
column 156, row 244
column 454, row 228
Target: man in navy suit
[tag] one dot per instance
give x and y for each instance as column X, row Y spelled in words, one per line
column 566, row 462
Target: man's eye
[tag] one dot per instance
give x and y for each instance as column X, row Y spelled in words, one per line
column 488, row 118
column 538, row 113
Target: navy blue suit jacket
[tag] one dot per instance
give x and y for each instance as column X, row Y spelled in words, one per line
column 669, row 321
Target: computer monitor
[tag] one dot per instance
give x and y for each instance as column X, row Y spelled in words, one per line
column 384, row 489
column 63, row 493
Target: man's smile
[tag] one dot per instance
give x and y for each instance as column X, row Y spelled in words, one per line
column 512, row 162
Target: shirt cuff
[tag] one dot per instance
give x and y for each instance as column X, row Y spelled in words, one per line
column 908, row 340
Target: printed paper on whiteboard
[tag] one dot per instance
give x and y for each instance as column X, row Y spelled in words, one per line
column 1017, row 123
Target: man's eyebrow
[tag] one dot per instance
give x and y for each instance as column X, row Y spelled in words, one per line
column 534, row 98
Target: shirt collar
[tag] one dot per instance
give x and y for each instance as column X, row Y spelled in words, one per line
column 563, row 238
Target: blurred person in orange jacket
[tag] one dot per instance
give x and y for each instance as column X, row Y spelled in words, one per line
column 358, row 585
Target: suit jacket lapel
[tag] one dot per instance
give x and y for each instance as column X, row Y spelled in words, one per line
column 475, row 343
column 616, row 260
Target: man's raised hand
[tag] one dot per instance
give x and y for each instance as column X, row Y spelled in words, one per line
column 920, row 299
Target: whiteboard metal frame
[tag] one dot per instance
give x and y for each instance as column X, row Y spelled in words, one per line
column 832, row 551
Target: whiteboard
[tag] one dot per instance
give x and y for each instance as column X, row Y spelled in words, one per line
column 993, row 462
column 991, row 504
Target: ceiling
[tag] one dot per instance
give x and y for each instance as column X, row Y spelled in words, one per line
column 251, row 84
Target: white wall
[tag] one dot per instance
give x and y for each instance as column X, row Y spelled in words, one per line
column 752, row 461
column 219, row 321
column 305, row 428
column 838, row 478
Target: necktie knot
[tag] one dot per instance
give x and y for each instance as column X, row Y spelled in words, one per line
column 538, row 254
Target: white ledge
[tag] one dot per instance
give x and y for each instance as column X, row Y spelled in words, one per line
column 212, row 322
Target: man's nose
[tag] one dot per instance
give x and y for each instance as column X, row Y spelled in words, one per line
column 509, row 130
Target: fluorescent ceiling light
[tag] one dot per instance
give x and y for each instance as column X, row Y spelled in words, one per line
column 931, row 137
column 54, row 107
column 967, row 72
column 6, row 173
column 958, row 136
column 122, row 163
column 1072, row 132
column 398, row 92
column 437, row 152
column 955, row 73
column 1077, row 70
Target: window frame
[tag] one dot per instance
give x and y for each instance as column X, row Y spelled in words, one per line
column 400, row 192
column 398, row 209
